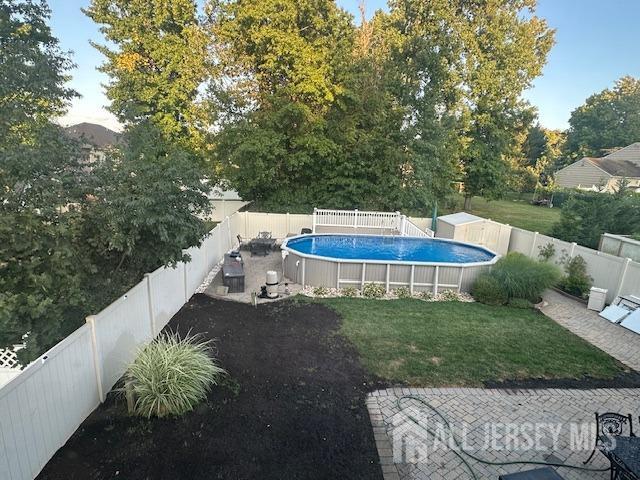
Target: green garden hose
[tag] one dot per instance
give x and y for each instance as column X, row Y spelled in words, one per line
column 461, row 453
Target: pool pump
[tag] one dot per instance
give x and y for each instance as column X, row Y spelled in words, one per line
column 272, row 284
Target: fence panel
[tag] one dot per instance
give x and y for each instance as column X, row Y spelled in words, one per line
column 196, row 269
column 42, row 407
column 562, row 249
column 605, row 269
column 521, row 240
column 119, row 331
column 256, row 222
column 630, row 285
column 167, row 293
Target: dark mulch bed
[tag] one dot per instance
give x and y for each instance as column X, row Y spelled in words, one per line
column 292, row 407
column 630, row 379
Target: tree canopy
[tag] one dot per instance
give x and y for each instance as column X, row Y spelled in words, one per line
column 313, row 109
column 609, row 119
column 157, row 65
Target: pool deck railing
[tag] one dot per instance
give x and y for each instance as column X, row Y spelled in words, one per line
column 379, row 223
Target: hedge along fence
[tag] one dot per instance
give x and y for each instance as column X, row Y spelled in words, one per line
column 46, row 402
column 620, row 276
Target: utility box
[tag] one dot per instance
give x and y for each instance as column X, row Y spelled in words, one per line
column 597, row 297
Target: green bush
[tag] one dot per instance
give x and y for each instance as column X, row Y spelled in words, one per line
column 486, row 289
column 171, row 375
column 373, row 290
column 450, row 296
column 522, row 277
column 402, row 292
column 349, row 292
column 577, row 281
column 427, row 295
column 547, row 252
column 321, row 291
column 520, row 303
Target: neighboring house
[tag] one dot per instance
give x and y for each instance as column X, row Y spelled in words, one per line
column 603, row 174
column 95, row 140
column 225, row 203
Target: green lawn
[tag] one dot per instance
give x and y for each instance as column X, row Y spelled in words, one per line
column 463, row 344
column 515, row 210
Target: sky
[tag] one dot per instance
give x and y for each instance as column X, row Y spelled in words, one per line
column 597, row 42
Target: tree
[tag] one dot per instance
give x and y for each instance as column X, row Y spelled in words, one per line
column 465, row 67
column 274, row 84
column 146, row 206
column 159, row 62
column 40, row 272
column 502, row 51
column 609, row 119
column 586, row 216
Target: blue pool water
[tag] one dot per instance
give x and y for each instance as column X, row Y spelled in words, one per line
column 406, row 249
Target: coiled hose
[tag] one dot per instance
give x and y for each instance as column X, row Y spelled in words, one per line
column 463, row 455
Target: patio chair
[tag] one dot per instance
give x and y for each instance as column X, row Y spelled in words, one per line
column 305, row 231
column 610, row 424
column 242, row 243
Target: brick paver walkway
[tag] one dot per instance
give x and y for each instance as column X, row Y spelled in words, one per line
column 617, row 341
column 494, row 423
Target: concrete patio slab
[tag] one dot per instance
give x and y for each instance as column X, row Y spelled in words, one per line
column 255, row 269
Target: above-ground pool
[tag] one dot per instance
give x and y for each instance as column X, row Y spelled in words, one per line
column 341, row 260
column 389, row 248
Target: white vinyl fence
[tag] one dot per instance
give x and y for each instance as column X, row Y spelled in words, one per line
column 620, row 246
column 618, row 275
column 46, row 402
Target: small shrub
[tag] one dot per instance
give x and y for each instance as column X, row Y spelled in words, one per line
column 349, row 292
column 373, row 290
column 523, row 277
column 520, row 303
column 426, row 295
column 488, row 290
column 320, row 291
column 402, row 292
column 547, row 252
column 450, row 296
column 171, row 375
column 577, row 281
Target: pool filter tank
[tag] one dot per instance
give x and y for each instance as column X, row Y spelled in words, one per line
column 272, row 284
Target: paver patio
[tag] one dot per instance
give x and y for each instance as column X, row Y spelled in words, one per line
column 473, row 413
column 617, row 341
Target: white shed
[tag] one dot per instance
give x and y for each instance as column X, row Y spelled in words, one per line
column 454, row 226
column 465, row 227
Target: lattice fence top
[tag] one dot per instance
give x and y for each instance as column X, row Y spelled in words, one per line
column 9, row 358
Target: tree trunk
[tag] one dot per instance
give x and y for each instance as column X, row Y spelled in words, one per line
column 467, row 203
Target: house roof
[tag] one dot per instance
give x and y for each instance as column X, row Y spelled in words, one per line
column 617, row 167
column 93, row 134
column 630, row 153
column 624, row 162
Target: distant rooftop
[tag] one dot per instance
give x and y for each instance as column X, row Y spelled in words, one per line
column 94, row 134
